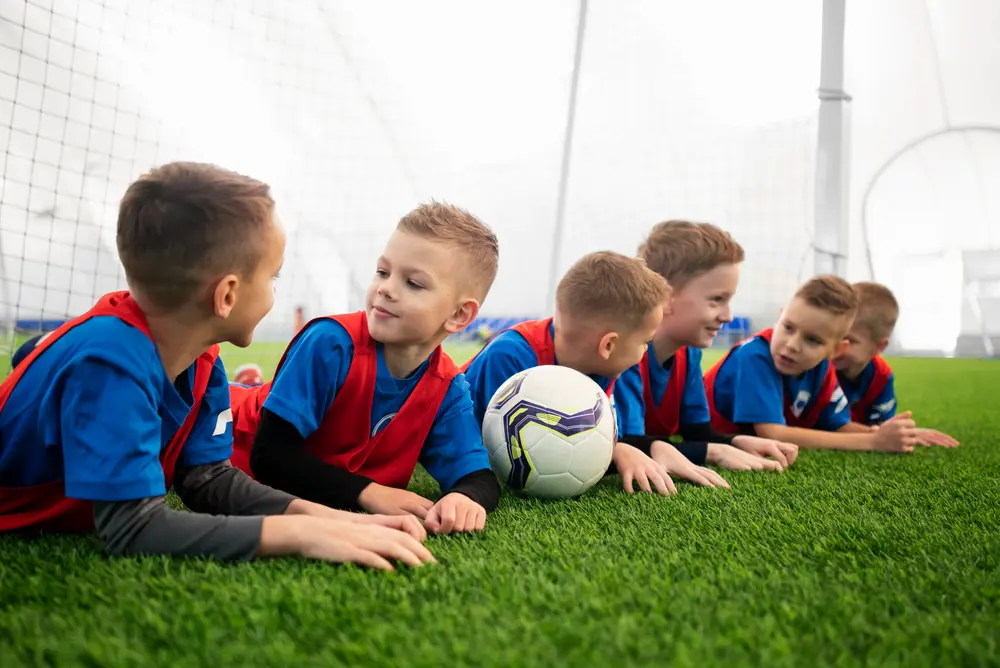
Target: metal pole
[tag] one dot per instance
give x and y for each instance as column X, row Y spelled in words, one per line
column 832, row 225
column 557, row 233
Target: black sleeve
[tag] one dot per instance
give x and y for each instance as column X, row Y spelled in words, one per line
column 704, row 432
column 149, row 526
column 695, row 452
column 480, row 486
column 220, row 488
column 279, row 459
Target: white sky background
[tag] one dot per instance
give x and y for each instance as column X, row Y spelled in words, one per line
column 357, row 111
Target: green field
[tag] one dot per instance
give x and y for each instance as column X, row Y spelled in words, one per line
column 845, row 559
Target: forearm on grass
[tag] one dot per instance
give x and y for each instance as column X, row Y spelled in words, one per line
column 279, row 459
column 815, row 439
column 149, row 527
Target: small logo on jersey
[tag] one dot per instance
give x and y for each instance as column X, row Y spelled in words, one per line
column 882, row 409
column 225, row 417
column 801, row 401
column 381, row 424
column 840, row 399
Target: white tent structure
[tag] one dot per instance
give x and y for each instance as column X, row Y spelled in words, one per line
column 357, row 111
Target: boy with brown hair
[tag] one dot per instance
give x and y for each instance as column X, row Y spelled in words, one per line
column 702, row 263
column 359, row 399
column 607, row 307
column 117, row 406
column 864, row 375
column 781, row 383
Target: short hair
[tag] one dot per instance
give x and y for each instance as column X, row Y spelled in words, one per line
column 878, row 309
column 184, row 223
column 679, row 250
column 611, row 286
column 829, row 293
column 456, row 226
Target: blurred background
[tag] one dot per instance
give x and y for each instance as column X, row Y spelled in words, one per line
column 864, row 141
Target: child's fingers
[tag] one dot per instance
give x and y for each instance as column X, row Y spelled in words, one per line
column 417, row 509
column 447, row 513
column 775, row 452
column 714, row 478
column 643, row 480
column 480, row 519
column 433, row 520
column 627, row 482
column 663, row 484
column 369, row 558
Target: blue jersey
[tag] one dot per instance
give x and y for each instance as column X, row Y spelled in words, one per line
column 883, row 405
column 629, row 395
column 314, row 370
column 509, row 354
column 96, row 409
column 749, row 389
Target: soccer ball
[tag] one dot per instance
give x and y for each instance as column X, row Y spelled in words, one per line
column 550, row 432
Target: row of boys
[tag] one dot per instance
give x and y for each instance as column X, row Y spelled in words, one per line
column 100, row 419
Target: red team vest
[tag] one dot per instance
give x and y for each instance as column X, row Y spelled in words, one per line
column 45, row 506
column 807, row 420
column 343, row 438
column 538, row 334
column 883, row 372
column 665, row 419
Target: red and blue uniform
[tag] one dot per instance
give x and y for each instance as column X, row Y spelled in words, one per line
column 745, row 388
column 666, row 396
column 333, row 386
column 872, row 395
column 90, row 415
column 523, row 346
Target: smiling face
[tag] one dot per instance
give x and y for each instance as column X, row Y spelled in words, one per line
column 700, row 308
column 805, row 335
column 418, row 293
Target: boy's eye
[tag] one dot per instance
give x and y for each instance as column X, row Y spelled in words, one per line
column 381, row 272
column 414, row 284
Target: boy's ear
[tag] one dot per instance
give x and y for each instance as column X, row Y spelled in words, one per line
column 224, row 295
column 881, row 345
column 462, row 317
column 607, row 344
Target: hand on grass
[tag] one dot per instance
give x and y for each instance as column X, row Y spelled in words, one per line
column 406, row 523
column 898, row 434
column 637, row 468
column 735, row 459
column 678, row 465
column 929, row 437
column 339, row 541
column 455, row 513
column 382, row 500
column 784, row 453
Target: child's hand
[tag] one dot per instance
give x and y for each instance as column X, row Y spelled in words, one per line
column 898, row 434
column 677, row 464
column 735, row 459
column 381, row 500
column 339, row 541
column 784, row 453
column 406, row 523
column 455, row 513
column 635, row 466
column 928, row 437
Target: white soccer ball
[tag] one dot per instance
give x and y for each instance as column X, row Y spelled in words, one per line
column 550, row 432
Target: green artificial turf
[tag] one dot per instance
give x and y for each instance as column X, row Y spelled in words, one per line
column 846, row 559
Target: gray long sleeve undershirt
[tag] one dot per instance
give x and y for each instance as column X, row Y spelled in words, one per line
column 232, row 533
